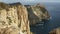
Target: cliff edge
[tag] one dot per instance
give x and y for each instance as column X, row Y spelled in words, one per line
column 16, row 18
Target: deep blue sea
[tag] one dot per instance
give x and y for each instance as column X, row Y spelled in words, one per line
column 54, row 11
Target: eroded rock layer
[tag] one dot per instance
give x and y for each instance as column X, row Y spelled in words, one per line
column 13, row 19
column 55, row 31
column 37, row 14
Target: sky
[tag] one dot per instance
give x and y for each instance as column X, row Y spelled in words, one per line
column 29, row 1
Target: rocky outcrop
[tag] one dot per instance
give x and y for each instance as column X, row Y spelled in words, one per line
column 37, row 14
column 13, row 19
column 55, row 31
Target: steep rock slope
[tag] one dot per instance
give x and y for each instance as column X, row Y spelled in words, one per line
column 13, row 19
column 37, row 14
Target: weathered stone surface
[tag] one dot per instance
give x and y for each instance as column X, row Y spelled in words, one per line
column 55, row 31
column 14, row 20
column 23, row 17
column 37, row 13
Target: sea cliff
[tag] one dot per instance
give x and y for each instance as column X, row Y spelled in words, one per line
column 16, row 18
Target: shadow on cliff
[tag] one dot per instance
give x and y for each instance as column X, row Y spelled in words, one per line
column 36, row 29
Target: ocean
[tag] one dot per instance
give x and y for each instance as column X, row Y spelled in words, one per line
column 54, row 22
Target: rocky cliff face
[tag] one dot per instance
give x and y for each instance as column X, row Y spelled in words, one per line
column 37, row 14
column 13, row 19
